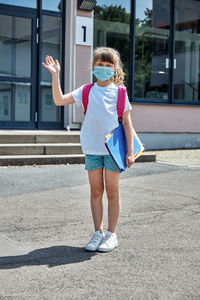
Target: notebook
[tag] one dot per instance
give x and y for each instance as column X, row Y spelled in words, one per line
column 116, row 145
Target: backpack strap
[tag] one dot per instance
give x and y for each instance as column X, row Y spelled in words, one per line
column 85, row 95
column 121, row 99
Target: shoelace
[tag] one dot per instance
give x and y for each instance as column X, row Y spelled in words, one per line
column 94, row 239
column 105, row 239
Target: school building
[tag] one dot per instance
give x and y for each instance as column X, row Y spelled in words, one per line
column 159, row 43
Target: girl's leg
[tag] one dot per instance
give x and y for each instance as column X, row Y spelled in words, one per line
column 97, row 189
column 112, row 190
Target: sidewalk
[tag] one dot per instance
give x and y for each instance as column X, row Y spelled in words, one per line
column 186, row 157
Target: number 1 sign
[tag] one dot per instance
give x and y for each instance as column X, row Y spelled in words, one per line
column 84, row 31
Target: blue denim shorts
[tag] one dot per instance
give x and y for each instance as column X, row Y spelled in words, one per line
column 93, row 162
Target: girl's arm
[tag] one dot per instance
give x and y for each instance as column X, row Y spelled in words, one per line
column 54, row 69
column 128, row 129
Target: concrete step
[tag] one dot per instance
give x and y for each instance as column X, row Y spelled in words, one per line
column 20, row 160
column 45, row 147
column 40, row 149
column 147, row 157
column 33, row 137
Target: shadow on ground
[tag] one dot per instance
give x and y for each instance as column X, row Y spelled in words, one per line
column 52, row 257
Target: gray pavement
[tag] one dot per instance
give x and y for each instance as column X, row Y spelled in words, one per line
column 45, row 221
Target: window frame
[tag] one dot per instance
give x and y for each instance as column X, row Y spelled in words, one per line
column 170, row 101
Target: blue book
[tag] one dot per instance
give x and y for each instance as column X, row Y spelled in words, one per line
column 116, row 145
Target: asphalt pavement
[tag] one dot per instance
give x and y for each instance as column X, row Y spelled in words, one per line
column 45, row 222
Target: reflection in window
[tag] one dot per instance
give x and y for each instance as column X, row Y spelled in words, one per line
column 49, row 111
column 54, row 5
column 112, row 28
column 51, row 41
column 51, row 45
column 152, row 49
column 24, row 3
column 15, row 46
column 187, row 51
column 15, row 102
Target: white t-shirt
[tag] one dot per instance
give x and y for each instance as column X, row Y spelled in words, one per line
column 101, row 117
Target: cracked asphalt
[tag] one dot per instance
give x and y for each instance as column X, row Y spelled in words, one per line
column 45, row 221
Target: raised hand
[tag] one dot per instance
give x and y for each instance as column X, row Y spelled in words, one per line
column 53, row 67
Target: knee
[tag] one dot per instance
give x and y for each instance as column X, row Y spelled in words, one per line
column 97, row 192
column 112, row 194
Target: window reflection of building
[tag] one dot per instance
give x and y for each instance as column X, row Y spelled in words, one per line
column 55, row 5
column 153, row 48
column 15, row 61
column 112, row 29
column 15, row 46
column 51, row 43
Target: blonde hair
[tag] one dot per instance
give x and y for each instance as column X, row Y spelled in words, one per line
column 106, row 54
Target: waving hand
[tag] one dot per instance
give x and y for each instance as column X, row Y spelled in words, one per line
column 53, row 67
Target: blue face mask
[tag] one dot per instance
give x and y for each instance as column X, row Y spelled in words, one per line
column 103, row 73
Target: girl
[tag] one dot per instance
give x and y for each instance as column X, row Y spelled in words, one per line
column 101, row 118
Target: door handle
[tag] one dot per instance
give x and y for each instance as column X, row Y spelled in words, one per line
column 174, row 63
column 167, row 63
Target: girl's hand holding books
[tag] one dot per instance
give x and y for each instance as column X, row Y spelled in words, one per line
column 129, row 160
column 53, row 67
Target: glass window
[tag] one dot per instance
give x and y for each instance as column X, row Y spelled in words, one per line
column 187, row 51
column 51, row 45
column 15, row 101
column 112, row 28
column 54, row 5
column 25, row 3
column 152, row 49
column 15, row 46
column 5, row 101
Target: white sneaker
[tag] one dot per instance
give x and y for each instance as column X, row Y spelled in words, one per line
column 95, row 241
column 109, row 242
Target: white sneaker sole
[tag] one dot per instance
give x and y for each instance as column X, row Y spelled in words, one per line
column 107, row 249
column 90, row 250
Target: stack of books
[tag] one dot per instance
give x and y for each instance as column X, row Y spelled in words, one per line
column 117, row 147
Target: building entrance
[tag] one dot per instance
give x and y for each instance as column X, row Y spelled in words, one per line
column 27, row 35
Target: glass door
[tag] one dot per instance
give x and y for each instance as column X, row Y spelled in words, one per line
column 50, row 115
column 17, row 70
column 29, row 30
column 152, row 50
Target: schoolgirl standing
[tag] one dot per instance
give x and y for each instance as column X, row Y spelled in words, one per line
column 100, row 119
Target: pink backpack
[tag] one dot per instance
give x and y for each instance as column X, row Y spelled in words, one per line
column 120, row 99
